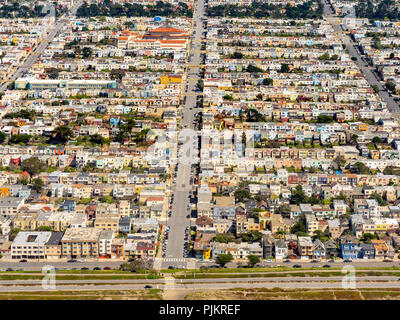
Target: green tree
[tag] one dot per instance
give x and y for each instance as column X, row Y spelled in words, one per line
column 2, row 136
column 378, row 198
column 223, row 259
column 267, row 82
column 339, row 162
column 237, row 55
column 252, row 260
column 359, row 168
column 87, row 52
column 117, row 74
column 32, row 165
column 299, row 226
column 376, row 140
column 13, row 233
column 63, row 133
column 298, row 195
column 376, row 88
column 284, row 210
column 37, row 184
column 242, row 195
column 97, row 139
column 285, row 68
column 390, row 86
column 20, row 138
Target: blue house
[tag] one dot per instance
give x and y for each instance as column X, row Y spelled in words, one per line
column 114, row 120
column 349, row 248
column 367, row 251
column 68, row 205
column 125, row 224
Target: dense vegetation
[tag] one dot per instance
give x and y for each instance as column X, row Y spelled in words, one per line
column 308, row 10
column 106, row 8
column 384, row 10
column 15, row 10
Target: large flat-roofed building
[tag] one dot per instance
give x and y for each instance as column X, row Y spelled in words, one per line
column 52, row 248
column 81, row 242
column 9, row 206
column 40, row 84
column 30, row 245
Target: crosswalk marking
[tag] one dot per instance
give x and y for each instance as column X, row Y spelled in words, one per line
column 174, row 260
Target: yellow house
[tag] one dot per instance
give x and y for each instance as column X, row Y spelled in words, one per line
column 362, row 127
column 5, row 191
column 264, row 218
column 166, row 79
column 381, row 226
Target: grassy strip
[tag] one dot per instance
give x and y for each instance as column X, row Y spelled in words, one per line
column 272, row 275
column 275, row 269
column 293, row 294
column 80, row 277
column 153, row 294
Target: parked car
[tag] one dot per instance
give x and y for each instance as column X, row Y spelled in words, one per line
column 23, row 260
column 96, row 268
column 326, row 266
column 106, row 268
column 170, row 267
column 147, row 286
column 72, row 260
column 297, row 266
column 84, row 268
column 286, row 261
column 348, row 260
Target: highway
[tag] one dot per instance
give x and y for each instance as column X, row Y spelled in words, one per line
column 179, row 219
column 38, row 51
column 366, row 70
column 212, row 285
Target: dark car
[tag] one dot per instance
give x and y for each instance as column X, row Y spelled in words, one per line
column 297, row 266
column 72, row 260
column 96, row 268
column 84, row 268
column 326, row 266
column 347, row 260
column 203, row 267
column 106, row 268
column 147, row 286
column 170, row 267
column 286, row 261
column 23, row 260
column 10, row 269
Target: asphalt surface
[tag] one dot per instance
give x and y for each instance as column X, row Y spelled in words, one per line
column 366, row 70
column 208, row 286
column 179, row 221
column 38, row 51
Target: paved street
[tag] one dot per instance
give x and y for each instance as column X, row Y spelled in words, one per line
column 38, row 51
column 392, row 105
column 183, row 187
